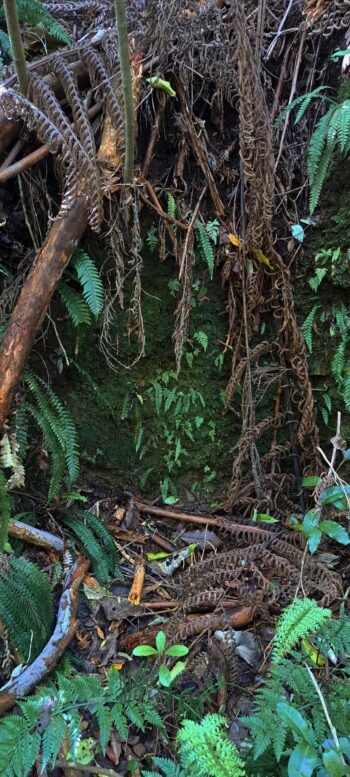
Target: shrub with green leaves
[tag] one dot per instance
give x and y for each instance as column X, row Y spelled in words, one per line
column 290, row 724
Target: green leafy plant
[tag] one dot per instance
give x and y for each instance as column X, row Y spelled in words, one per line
column 338, row 321
column 58, row 430
column 86, row 305
column 94, row 540
column 34, row 15
column 56, row 714
column 206, row 750
column 178, row 420
column 166, row 676
column 25, row 605
column 299, row 619
column 292, row 725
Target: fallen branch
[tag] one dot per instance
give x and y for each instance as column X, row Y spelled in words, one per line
column 35, row 536
column 34, row 299
column 62, row 764
column 64, row 631
column 191, row 626
column 202, row 520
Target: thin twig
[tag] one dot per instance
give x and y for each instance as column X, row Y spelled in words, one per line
column 194, row 216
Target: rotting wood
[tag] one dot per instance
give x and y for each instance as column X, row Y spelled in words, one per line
column 192, row 625
column 66, row 626
column 33, row 301
column 35, row 536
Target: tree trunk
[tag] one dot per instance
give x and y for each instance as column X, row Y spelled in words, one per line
column 34, row 300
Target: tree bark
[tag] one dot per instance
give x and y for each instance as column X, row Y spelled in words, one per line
column 34, row 299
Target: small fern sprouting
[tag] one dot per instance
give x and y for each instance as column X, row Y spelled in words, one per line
column 206, row 750
column 25, row 605
column 83, row 306
column 58, row 430
column 117, row 703
column 95, row 541
column 206, row 239
column 300, row 618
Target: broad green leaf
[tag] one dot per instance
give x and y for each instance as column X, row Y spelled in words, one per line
column 144, row 650
column 334, row 765
column 331, row 494
column 160, row 641
column 298, row 232
column 264, row 518
column 335, row 531
column 155, row 556
column 303, row 761
column 177, row 669
column 295, row 720
column 314, row 540
column 164, row 676
column 310, row 481
column 177, row 650
column 310, row 521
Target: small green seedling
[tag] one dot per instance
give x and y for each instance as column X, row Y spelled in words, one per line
column 166, row 676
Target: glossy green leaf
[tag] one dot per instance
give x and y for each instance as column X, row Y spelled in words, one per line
column 331, row 494
column 177, row 669
column 298, row 232
column 303, row 761
column 295, row 720
column 160, row 641
column 314, row 540
column 310, row 521
column 164, row 676
column 177, row 650
column 144, row 650
column 334, row 765
column 310, row 481
column 335, row 531
column 264, row 518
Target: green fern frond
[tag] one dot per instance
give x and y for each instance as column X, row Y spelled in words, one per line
column 5, row 509
column 167, row 768
column 206, row 750
column 152, row 238
column 77, row 308
column 339, row 127
column 89, row 545
column 346, row 390
column 52, row 740
column 212, row 228
column 307, row 327
column 58, row 430
column 303, row 101
column 90, row 280
column 317, row 143
column 297, row 620
column 338, row 361
column 205, row 246
column 26, row 605
column 319, row 178
column 33, row 14
column 171, row 205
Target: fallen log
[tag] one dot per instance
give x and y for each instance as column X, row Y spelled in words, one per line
column 43, row 539
column 64, row 631
column 33, row 301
